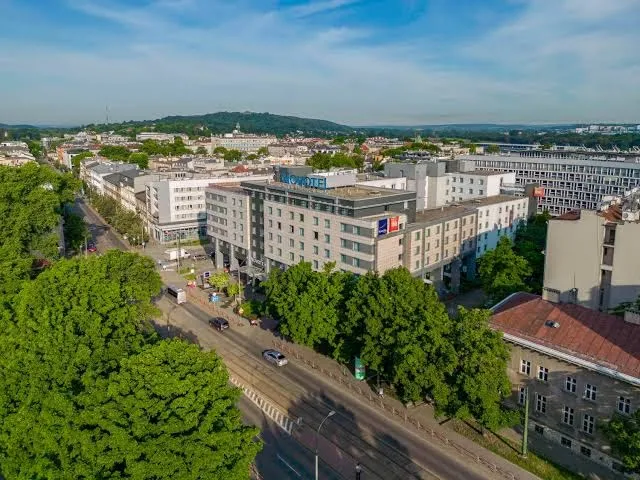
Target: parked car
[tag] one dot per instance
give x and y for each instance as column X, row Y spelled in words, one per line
column 219, row 323
column 275, row 357
column 199, row 257
column 91, row 247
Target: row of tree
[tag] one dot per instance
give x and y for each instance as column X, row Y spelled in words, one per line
column 325, row 161
column 412, row 146
column 119, row 153
column 396, row 324
column 88, row 390
column 125, row 221
column 167, row 149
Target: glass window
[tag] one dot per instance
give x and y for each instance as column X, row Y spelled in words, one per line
column 588, row 424
column 301, row 245
column 315, row 220
column 327, row 253
column 567, row 415
column 327, row 223
column 327, row 238
column 543, row 373
column 570, row 384
column 315, row 249
column 522, row 393
column 315, row 264
column 624, row 405
column 301, row 231
column 590, row 392
column 541, row 403
column 301, row 217
column 525, row 367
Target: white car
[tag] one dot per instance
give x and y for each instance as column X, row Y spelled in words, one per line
column 275, row 357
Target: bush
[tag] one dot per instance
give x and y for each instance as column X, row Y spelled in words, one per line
column 252, row 309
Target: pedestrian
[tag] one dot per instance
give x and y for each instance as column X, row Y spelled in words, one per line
column 358, row 470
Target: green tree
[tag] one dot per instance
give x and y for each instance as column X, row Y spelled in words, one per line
column 325, row 161
column 35, row 148
column 377, row 166
column 530, row 243
column 252, row 156
column 493, row 149
column 75, row 230
column 502, row 271
column 473, row 148
column 201, row 150
column 233, row 290
column 167, row 413
column 263, row 152
column 76, row 161
column 115, row 152
column 219, row 280
column 623, row 432
column 139, row 158
column 400, row 329
column 232, row 156
column 219, row 151
column 308, row 303
column 479, row 382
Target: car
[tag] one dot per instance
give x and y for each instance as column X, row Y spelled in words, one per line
column 275, row 357
column 219, row 323
column 92, row 248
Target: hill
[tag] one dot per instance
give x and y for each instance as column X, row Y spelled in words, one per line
column 225, row 122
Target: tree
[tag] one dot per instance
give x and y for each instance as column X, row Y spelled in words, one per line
column 219, row 280
column 75, row 231
column 502, row 271
column 168, row 412
column 263, row 152
column 624, row 434
column 400, row 329
column 377, row 165
column 479, row 381
column 233, row 289
column 308, row 304
column 35, row 148
column 493, row 149
column 76, row 161
column 139, row 158
column 252, row 156
column 325, row 161
column 473, row 148
column 115, row 152
column 232, row 155
column 530, row 243
column 201, row 150
column 219, row 151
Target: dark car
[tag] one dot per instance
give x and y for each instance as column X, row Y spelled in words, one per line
column 219, row 323
column 92, row 248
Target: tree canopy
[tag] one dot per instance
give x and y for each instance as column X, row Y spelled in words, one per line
column 530, row 243
column 502, row 271
column 167, row 149
column 325, row 161
column 624, row 434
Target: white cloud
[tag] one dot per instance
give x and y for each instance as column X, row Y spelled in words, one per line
column 314, row 8
column 546, row 65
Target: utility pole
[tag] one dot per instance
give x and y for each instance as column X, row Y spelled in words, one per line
column 179, row 250
column 525, row 434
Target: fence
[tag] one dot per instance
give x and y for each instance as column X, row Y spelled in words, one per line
column 344, row 379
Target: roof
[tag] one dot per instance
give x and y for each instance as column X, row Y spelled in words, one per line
column 460, row 209
column 352, row 192
column 612, row 214
column 597, row 337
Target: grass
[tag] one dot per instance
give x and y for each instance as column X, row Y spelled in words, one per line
column 510, row 450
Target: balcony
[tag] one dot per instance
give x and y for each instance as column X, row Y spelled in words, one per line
column 607, row 256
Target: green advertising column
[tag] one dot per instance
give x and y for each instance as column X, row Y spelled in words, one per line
column 360, row 369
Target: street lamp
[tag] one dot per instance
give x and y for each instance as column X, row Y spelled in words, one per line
column 330, row 414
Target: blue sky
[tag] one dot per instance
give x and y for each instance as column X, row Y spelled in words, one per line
column 359, row 62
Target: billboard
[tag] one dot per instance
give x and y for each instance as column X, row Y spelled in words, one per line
column 383, row 226
column 538, row 192
column 394, row 224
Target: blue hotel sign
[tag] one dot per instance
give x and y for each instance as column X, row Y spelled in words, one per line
column 383, row 226
column 320, row 183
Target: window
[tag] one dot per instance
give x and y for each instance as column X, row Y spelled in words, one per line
column 279, row 252
column 327, row 223
column 270, row 236
column 471, row 191
column 316, row 235
column 301, row 231
column 525, row 367
column 315, row 264
column 301, row 217
column 417, row 235
column 543, row 373
column 279, row 212
column 279, row 238
column 417, row 250
column 270, row 248
column 301, row 245
column 327, row 253
column 567, row 415
column 343, row 258
column 570, row 385
column 522, row 394
column 541, row 403
column 624, row 405
column 590, row 392
column 327, row 238
column 585, row 451
column 291, row 215
column 481, row 192
column 315, row 220
column 270, row 210
column 565, row 442
column 291, row 229
column 539, row 429
column 343, row 227
column 279, row 226
column 588, row 423
column 417, row 264
column 301, row 258
column 291, row 256
column 291, row 242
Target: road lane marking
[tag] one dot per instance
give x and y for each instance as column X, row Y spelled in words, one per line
column 287, row 464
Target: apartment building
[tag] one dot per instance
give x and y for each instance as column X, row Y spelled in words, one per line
column 497, row 216
column 160, row 137
column 571, row 180
column 591, row 257
column 93, row 172
column 579, row 368
column 325, row 217
column 439, row 182
column 229, row 223
column 123, row 186
column 177, row 207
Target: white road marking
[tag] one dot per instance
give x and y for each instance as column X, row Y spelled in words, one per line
column 287, row 464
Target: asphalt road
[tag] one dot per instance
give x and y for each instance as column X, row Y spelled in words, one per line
column 281, row 457
column 387, row 449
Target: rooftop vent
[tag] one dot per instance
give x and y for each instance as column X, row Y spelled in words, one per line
column 552, row 324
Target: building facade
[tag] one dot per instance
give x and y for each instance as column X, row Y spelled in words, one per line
column 244, row 142
column 591, row 257
column 579, row 368
column 571, row 180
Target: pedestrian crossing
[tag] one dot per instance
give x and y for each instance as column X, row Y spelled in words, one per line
column 270, row 410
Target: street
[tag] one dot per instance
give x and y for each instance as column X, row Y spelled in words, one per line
column 357, row 433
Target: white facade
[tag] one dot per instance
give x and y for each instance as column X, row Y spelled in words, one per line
column 228, row 219
column 469, row 185
column 497, row 220
column 393, row 183
column 243, row 142
column 93, row 173
column 160, row 137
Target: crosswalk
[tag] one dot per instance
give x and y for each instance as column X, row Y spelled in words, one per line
column 275, row 414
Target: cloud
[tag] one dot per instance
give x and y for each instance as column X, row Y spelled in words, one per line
column 546, row 62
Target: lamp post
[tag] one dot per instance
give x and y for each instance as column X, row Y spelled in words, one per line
column 330, row 414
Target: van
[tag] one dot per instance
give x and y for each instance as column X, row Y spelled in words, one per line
column 178, row 294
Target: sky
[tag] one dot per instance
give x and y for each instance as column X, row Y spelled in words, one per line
column 358, row 62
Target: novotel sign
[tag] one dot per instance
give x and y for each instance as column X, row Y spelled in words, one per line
column 313, row 182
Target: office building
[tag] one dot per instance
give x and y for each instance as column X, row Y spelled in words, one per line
column 94, row 171
column 591, row 257
column 579, row 368
column 177, row 206
column 439, row 182
column 570, row 180
column 160, row 137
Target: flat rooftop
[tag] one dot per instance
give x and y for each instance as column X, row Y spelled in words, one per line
column 352, row 192
column 457, row 209
column 227, row 187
